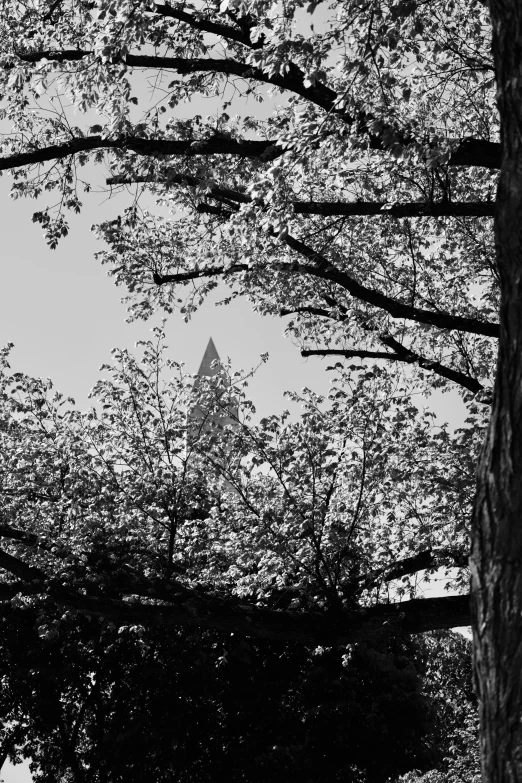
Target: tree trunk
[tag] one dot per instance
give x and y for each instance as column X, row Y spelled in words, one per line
column 497, row 545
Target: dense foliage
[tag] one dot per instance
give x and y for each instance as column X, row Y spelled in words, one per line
column 321, row 513
column 129, row 501
column 93, row 703
column 344, row 180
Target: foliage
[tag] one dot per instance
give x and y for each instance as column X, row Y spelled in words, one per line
column 305, row 514
column 449, row 681
column 369, row 186
column 122, row 502
column 94, row 703
column 358, row 205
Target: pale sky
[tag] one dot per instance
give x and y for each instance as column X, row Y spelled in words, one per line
column 64, row 315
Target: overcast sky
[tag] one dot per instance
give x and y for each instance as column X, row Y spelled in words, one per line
column 64, row 314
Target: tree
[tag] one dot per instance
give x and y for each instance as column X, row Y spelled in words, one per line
column 117, row 507
column 361, row 208
column 199, row 703
column 297, row 518
column 449, row 681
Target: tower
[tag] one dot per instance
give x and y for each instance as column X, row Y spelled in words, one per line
column 200, row 419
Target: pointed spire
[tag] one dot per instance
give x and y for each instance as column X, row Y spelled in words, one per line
column 199, row 420
column 210, row 355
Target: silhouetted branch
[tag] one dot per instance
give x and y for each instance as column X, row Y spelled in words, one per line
column 215, row 145
column 468, row 152
column 409, row 357
column 428, row 559
column 409, row 209
column 324, row 269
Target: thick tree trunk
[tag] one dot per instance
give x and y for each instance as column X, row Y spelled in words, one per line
column 497, row 545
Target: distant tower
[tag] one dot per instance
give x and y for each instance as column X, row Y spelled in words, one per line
column 199, row 419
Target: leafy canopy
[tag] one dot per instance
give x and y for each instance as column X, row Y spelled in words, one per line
column 308, row 514
column 343, row 179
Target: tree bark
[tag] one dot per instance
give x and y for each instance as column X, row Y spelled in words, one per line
column 497, row 539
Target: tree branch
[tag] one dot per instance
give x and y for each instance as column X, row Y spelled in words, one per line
column 326, row 271
column 400, row 210
column 216, row 145
column 181, row 605
column 404, row 355
column 469, row 152
column 241, row 35
column 429, row 558
column 401, row 353
column 172, row 178
column 326, row 208
column 20, row 569
column 6, row 531
column 322, row 268
column 477, row 152
column 183, row 277
column 292, row 80
column 230, row 616
column 9, row 590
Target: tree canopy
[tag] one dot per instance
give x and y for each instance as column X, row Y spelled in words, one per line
column 99, row 703
column 360, row 206
column 296, row 528
column 344, row 179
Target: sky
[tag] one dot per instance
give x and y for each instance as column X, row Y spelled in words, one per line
column 64, row 315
